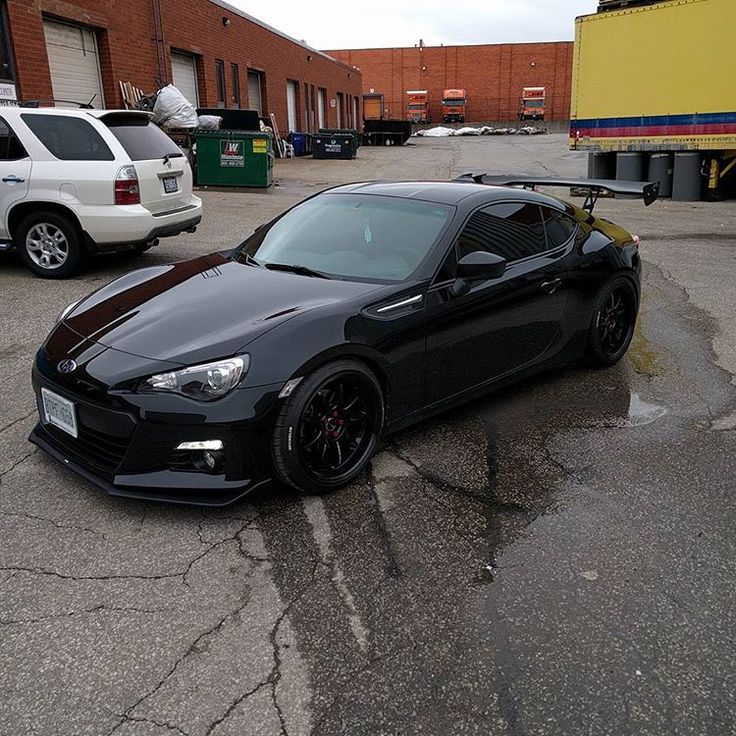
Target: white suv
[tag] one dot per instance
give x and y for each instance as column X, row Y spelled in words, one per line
column 77, row 181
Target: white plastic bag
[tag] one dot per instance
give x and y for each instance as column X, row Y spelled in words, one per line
column 438, row 132
column 173, row 110
column 209, row 122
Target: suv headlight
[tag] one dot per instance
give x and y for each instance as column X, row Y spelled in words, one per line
column 205, row 382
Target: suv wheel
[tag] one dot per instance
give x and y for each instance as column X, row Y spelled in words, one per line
column 50, row 244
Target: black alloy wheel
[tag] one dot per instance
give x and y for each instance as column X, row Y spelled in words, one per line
column 614, row 321
column 329, row 428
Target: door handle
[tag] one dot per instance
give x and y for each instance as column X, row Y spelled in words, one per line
column 551, row 286
column 13, row 179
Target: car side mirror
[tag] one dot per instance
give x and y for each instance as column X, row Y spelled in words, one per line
column 477, row 266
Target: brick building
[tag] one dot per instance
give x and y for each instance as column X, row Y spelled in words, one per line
column 493, row 76
column 218, row 55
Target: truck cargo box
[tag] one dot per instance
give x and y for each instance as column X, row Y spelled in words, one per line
column 656, row 77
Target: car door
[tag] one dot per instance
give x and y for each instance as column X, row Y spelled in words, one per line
column 494, row 327
column 15, row 174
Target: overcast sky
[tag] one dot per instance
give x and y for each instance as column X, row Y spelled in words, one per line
column 355, row 24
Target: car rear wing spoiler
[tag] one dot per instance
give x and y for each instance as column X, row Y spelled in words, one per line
column 648, row 191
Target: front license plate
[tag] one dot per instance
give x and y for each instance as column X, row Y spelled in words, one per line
column 59, row 412
column 170, row 184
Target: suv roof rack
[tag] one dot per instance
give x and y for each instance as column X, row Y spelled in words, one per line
column 38, row 103
column 648, row 191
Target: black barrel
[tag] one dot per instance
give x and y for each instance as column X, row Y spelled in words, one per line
column 687, row 183
column 601, row 165
column 661, row 169
column 630, row 166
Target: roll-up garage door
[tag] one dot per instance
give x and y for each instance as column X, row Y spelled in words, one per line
column 254, row 92
column 184, row 76
column 291, row 105
column 74, row 63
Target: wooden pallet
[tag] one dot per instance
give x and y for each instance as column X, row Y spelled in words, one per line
column 131, row 95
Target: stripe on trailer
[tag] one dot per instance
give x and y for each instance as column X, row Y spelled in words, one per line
column 656, row 131
column 710, row 118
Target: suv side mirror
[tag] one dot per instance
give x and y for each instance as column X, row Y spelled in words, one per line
column 477, row 266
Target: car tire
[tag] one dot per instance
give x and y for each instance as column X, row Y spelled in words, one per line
column 613, row 323
column 334, row 417
column 49, row 244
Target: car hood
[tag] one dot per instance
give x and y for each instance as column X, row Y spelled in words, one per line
column 199, row 310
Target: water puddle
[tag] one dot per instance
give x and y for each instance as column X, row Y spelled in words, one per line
column 643, row 412
column 642, row 356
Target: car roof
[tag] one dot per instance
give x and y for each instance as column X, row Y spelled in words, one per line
column 444, row 192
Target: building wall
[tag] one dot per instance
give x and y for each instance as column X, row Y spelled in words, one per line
column 493, row 76
column 129, row 52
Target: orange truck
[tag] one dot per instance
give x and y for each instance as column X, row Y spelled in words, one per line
column 532, row 103
column 417, row 106
column 453, row 105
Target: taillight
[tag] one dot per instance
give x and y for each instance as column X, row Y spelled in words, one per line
column 127, row 190
column 636, row 240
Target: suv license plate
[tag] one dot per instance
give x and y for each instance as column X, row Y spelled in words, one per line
column 170, row 184
column 59, row 412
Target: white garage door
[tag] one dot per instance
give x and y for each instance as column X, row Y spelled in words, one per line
column 291, row 105
column 321, row 104
column 184, row 76
column 254, row 92
column 73, row 62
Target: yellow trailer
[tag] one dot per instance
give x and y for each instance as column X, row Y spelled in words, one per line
column 661, row 77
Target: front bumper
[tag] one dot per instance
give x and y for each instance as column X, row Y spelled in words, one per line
column 130, row 450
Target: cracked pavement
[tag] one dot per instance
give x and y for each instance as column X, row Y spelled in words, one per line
column 555, row 559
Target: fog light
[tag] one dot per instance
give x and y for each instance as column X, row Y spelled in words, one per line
column 209, row 461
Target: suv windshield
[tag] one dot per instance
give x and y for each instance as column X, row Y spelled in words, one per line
column 352, row 236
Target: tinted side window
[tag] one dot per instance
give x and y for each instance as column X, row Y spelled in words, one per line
column 560, row 228
column 141, row 139
column 68, row 138
column 512, row 230
column 11, row 149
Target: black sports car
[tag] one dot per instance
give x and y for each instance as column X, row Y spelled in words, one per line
column 361, row 310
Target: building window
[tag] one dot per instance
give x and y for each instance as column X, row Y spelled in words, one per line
column 6, row 54
column 220, row 77
column 235, row 77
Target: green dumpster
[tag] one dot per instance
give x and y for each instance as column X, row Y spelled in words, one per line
column 234, row 158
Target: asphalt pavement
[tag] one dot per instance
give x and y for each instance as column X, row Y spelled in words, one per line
column 555, row 559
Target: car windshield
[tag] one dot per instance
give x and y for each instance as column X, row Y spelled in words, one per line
column 352, row 236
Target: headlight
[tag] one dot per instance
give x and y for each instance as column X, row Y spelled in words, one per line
column 205, row 382
column 66, row 311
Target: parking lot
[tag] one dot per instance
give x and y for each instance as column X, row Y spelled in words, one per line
column 555, row 559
